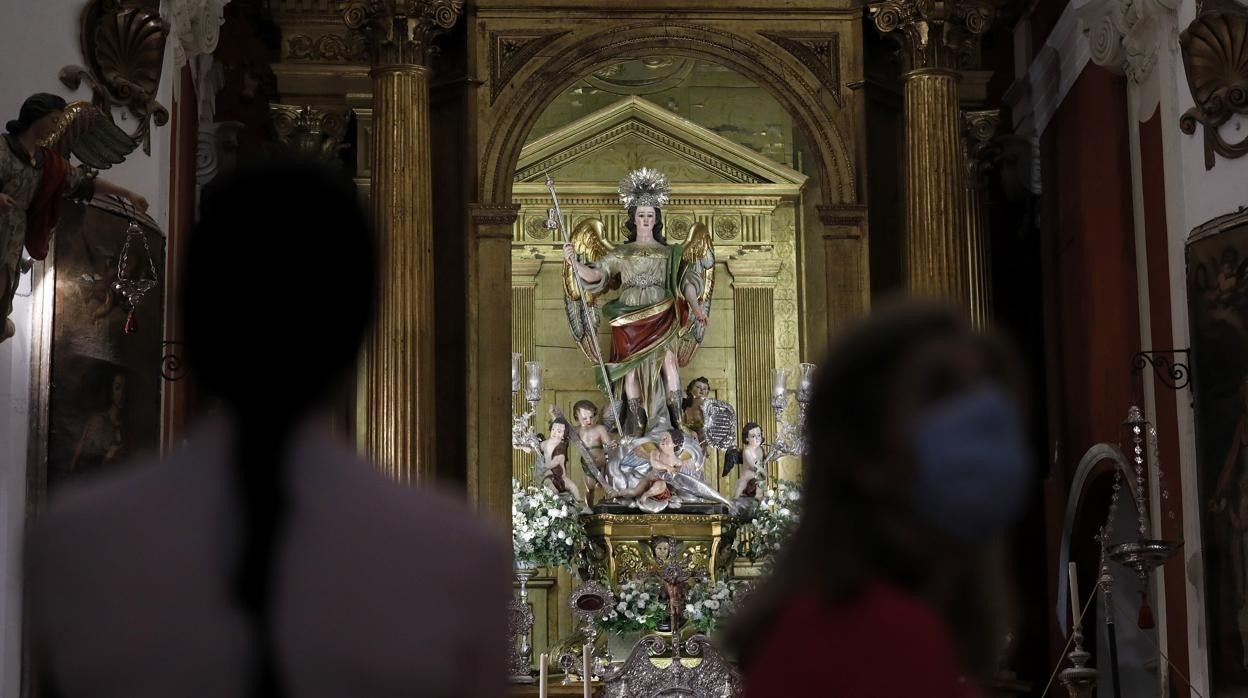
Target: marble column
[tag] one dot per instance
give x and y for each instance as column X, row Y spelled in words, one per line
column 936, row 39
column 396, row 404
column 524, row 271
column 754, row 316
column 979, row 127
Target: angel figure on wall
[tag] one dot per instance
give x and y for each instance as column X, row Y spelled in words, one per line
column 35, row 176
column 753, row 457
column 660, row 316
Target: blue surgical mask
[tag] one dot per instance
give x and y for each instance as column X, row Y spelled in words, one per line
column 973, row 464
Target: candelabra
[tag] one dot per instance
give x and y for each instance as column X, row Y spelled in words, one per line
column 523, row 435
column 790, row 437
column 1145, row 553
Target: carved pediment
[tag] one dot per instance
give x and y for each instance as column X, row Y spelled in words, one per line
column 595, row 152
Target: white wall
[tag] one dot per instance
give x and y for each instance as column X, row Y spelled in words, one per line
column 1194, row 195
column 38, row 38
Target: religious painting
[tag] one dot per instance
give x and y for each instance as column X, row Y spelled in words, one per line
column 105, row 366
column 1217, row 278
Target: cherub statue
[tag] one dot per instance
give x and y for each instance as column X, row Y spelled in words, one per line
column 691, row 408
column 654, row 473
column 660, row 316
column 35, row 176
column 593, row 440
column 753, row 457
column 554, row 461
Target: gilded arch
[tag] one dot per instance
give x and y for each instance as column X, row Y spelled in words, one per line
column 797, row 85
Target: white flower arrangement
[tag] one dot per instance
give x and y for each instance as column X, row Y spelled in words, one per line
column 707, row 606
column 772, row 522
column 637, row 608
column 545, row 530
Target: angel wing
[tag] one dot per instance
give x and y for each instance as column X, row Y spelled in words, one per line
column 589, row 242
column 719, row 423
column 91, row 136
column 699, row 258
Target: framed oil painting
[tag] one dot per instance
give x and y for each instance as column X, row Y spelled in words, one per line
column 1217, row 279
column 100, row 364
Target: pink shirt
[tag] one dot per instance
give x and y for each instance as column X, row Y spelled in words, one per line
column 384, row 590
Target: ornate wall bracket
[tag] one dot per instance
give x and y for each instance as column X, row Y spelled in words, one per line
column 310, row 131
column 980, row 130
column 1126, row 37
column 934, row 35
column 1175, row 374
column 401, row 32
column 123, row 45
column 1215, row 58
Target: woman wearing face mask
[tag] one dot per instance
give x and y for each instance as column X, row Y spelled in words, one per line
column 894, row 584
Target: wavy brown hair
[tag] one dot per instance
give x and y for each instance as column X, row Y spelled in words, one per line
column 858, row 521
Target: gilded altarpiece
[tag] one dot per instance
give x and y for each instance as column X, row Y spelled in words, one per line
column 499, row 71
column 746, row 199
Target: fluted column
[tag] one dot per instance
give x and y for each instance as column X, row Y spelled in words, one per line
column 935, row 39
column 524, row 271
column 489, row 379
column 979, row 127
column 754, row 318
column 397, row 399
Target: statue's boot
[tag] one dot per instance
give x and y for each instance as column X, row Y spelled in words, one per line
column 635, row 423
column 673, row 408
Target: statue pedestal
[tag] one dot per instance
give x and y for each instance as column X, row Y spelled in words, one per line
column 623, row 545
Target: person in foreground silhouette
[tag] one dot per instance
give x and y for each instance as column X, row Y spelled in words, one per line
column 263, row 558
column 893, row 584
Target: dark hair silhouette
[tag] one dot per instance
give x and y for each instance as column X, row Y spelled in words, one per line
column 631, row 225
column 853, row 497
column 33, row 109
column 584, row 405
column 277, row 295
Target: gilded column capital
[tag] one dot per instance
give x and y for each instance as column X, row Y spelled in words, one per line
column 496, row 215
column 843, row 221
column 524, row 270
column 979, row 130
column 310, row 131
column 754, row 271
column 401, row 32
column 934, row 35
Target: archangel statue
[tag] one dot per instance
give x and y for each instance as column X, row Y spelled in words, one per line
column 658, row 318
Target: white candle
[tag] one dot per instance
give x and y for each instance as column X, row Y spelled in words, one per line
column 515, row 373
column 780, row 382
column 543, row 677
column 587, row 671
column 533, row 386
column 1074, row 594
column 805, row 382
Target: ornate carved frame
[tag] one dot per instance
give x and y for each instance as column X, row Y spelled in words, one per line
column 1217, row 73
column 123, row 45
